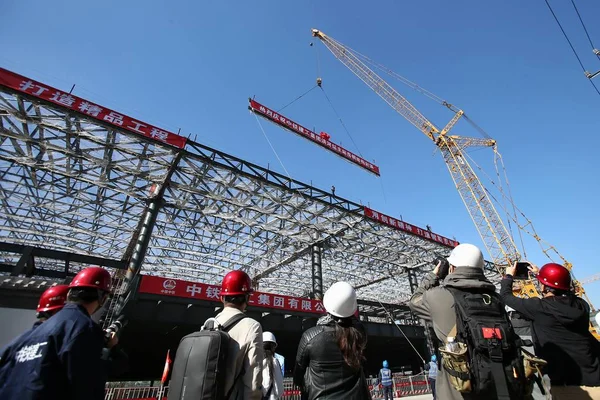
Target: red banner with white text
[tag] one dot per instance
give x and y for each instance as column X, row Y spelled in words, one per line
column 406, row 227
column 89, row 109
column 203, row 291
column 322, row 140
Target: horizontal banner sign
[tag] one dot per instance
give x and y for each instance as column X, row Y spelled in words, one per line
column 89, row 109
column 320, row 139
column 406, row 227
column 202, row 291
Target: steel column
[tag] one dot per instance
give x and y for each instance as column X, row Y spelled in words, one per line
column 317, row 272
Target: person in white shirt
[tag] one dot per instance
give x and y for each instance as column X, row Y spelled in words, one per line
column 271, row 370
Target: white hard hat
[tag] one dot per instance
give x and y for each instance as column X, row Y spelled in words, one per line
column 340, row 300
column 466, row 255
column 269, row 337
column 597, row 319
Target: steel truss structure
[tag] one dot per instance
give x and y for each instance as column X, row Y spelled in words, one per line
column 72, row 184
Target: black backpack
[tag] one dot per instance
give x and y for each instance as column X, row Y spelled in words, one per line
column 495, row 364
column 200, row 365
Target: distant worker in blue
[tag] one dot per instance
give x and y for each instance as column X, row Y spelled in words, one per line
column 385, row 378
column 62, row 358
column 432, row 369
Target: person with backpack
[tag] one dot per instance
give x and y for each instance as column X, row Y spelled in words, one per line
column 480, row 357
column 271, row 370
column 560, row 326
column 329, row 361
column 385, row 379
column 62, row 358
column 222, row 361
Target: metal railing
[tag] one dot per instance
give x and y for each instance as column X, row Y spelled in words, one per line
column 403, row 386
column 138, row 393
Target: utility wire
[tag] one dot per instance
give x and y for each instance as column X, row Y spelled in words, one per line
column 570, row 44
column 582, row 24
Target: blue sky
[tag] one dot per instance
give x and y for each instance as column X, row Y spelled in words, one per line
column 192, row 65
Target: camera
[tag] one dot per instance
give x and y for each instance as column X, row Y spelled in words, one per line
column 115, row 327
column 444, row 267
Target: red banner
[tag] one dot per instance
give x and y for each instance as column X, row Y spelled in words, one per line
column 321, row 140
column 89, row 109
column 406, row 227
column 202, row 291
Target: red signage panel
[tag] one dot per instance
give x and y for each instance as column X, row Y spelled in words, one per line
column 321, row 140
column 203, row 291
column 406, row 227
column 89, row 109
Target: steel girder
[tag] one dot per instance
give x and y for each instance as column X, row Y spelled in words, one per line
column 71, row 183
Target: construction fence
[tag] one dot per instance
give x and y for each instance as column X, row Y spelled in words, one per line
column 403, row 386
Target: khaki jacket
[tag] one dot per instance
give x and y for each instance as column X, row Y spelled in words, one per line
column 435, row 303
column 245, row 353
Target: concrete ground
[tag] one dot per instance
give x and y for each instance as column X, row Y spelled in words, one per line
column 420, row 397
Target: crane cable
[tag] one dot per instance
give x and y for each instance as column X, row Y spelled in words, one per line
column 272, row 148
column 544, row 245
column 297, row 98
column 401, row 331
column 341, row 122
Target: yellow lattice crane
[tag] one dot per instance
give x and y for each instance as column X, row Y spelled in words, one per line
column 497, row 239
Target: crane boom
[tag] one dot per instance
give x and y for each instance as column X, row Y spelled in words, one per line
column 493, row 232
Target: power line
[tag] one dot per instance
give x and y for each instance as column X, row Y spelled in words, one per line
column 570, row 44
column 582, row 24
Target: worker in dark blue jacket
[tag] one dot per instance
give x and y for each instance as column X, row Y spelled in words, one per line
column 62, row 358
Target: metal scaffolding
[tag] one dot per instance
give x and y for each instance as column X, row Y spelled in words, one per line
column 73, row 184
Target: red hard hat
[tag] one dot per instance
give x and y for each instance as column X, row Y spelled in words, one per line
column 555, row 276
column 92, row 277
column 53, row 299
column 236, row 283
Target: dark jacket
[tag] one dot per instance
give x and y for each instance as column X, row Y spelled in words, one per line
column 560, row 327
column 435, row 303
column 60, row 359
column 321, row 371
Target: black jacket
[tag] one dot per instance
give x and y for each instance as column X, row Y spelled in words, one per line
column 560, row 327
column 321, row 371
column 59, row 359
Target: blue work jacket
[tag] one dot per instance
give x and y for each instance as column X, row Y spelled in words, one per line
column 58, row 360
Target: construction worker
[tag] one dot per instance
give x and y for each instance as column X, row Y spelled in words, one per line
column 51, row 301
column 271, row 369
column 385, row 379
column 61, row 358
column 560, row 326
column 245, row 356
column 330, row 355
column 436, row 303
column 432, row 372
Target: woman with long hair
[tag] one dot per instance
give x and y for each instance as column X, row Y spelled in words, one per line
column 271, row 370
column 331, row 354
